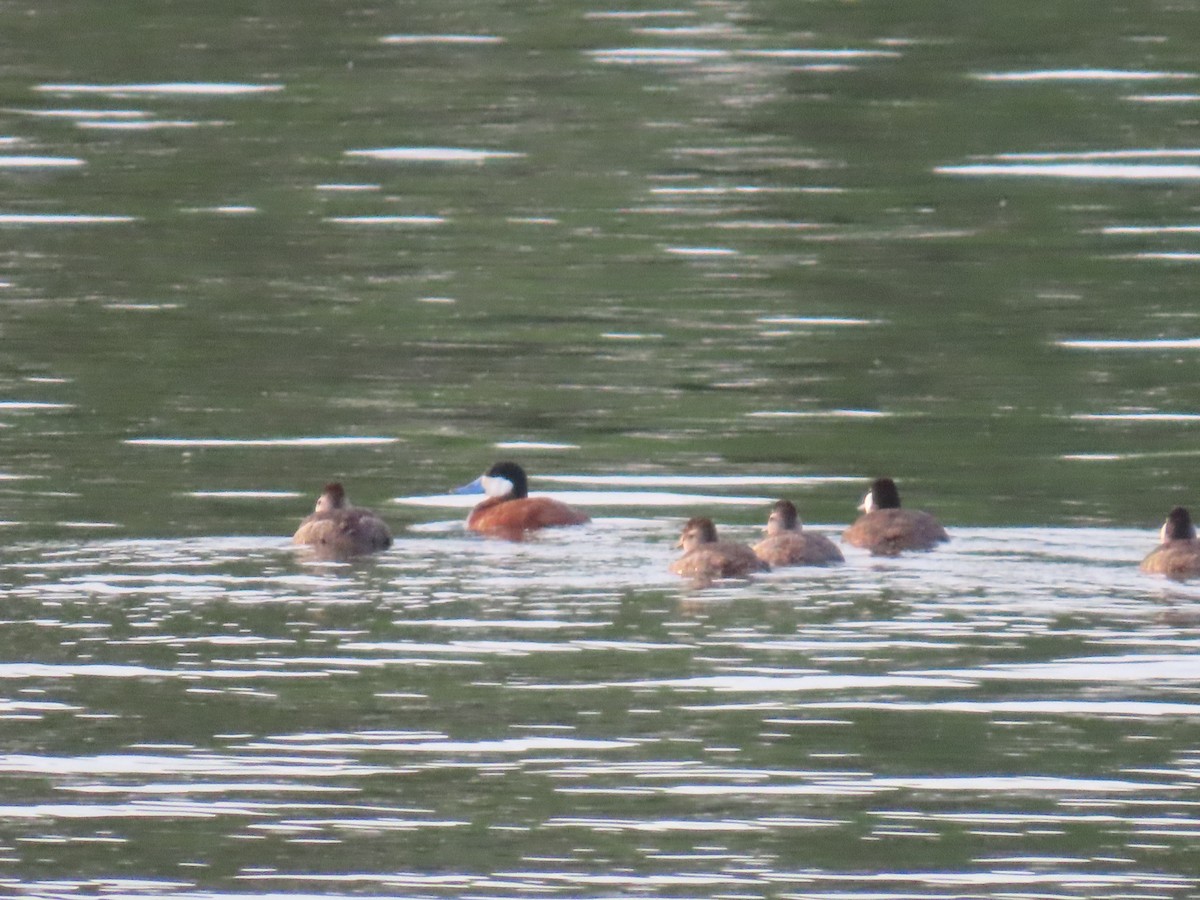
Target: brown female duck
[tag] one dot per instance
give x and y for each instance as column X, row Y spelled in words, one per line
column 886, row 530
column 337, row 529
column 1178, row 553
column 788, row 544
column 705, row 557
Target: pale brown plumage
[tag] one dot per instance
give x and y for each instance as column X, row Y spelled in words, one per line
column 1178, row 556
column 788, row 544
column 886, row 530
column 336, row 530
column 706, row 558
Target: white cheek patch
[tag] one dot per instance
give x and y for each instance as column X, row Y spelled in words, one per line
column 868, row 503
column 495, row 486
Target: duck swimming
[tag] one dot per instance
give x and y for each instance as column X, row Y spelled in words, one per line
column 1178, row 553
column 509, row 512
column 337, row 529
column 788, row 544
column 886, row 530
column 706, row 558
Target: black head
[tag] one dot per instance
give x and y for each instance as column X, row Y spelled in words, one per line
column 884, row 494
column 1178, row 526
column 514, row 475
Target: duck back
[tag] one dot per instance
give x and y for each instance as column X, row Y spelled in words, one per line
column 887, row 532
column 721, row 559
column 344, row 532
column 511, row 518
column 798, row 548
column 1175, row 559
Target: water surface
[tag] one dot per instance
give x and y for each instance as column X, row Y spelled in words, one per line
column 677, row 260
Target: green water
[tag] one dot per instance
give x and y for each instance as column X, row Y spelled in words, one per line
column 814, row 176
column 696, row 241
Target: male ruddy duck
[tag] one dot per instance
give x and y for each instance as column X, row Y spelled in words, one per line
column 509, row 512
column 337, row 529
column 886, row 530
column 705, row 557
column 1178, row 553
column 788, row 544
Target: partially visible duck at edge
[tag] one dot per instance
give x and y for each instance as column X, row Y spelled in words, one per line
column 336, row 529
column 509, row 512
column 788, row 544
column 1178, row 552
column 706, row 558
column 886, row 530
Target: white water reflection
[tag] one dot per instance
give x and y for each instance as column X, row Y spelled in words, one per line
column 693, row 55
column 1162, row 98
column 832, row 321
column 639, row 499
column 149, row 125
column 434, row 154
column 40, row 162
column 1131, row 343
column 1150, row 229
column 62, row 219
column 31, row 405
column 698, row 480
column 821, row 414
column 387, row 220
column 328, row 441
column 1100, row 75
column 469, row 40
column 1079, row 170
column 1164, row 256
column 180, row 88
column 83, row 114
column 1136, row 417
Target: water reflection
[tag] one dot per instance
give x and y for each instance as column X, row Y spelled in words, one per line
column 182, row 88
column 1084, row 75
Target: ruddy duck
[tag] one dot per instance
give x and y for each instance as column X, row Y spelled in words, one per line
column 705, row 557
column 337, row 529
column 509, row 512
column 788, row 544
column 886, row 530
column 1178, row 553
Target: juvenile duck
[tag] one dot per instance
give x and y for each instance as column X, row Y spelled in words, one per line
column 788, row 544
column 337, row 529
column 1178, row 553
column 886, row 530
column 706, row 558
column 509, row 512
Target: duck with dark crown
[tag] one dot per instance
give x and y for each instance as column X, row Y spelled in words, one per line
column 886, row 530
column 337, row 529
column 705, row 557
column 788, row 544
column 1178, row 552
column 509, row 512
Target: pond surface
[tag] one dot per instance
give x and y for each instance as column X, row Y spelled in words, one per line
column 676, row 260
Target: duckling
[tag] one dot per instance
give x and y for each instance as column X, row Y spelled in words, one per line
column 706, row 558
column 1178, row 553
column 886, row 530
column 336, row 529
column 509, row 511
column 788, row 544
